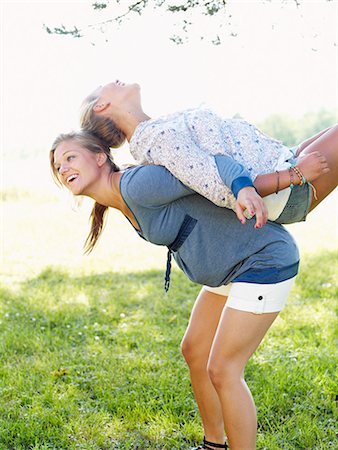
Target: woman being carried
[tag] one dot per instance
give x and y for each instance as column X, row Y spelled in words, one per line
column 254, row 267
column 188, row 145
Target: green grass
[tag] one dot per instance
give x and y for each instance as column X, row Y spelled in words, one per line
column 93, row 362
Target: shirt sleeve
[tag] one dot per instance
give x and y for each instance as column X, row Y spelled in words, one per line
column 233, row 173
column 210, row 177
column 155, row 186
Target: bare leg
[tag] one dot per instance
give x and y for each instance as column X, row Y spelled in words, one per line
column 196, row 346
column 310, row 140
column 238, row 335
column 327, row 145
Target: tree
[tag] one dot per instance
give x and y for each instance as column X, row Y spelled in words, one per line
column 187, row 11
column 292, row 131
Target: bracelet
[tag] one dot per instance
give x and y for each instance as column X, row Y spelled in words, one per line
column 277, row 188
column 299, row 174
column 303, row 180
column 291, row 178
column 313, row 190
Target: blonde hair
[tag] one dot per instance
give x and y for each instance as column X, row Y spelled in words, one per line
column 93, row 144
column 102, row 127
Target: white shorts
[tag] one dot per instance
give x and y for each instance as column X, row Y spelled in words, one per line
column 255, row 298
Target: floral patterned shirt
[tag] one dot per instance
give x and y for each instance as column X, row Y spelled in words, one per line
column 186, row 143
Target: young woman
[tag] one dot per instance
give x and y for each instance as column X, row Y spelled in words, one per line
column 250, row 270
column 186, row 143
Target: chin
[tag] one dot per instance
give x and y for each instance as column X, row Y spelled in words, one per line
column 136, row 86
column 76, row 191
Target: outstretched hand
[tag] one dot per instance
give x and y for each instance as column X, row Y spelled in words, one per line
column 249, row 199
column 312, row 165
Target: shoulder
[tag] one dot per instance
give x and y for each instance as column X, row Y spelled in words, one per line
column 137, row 183
column 140, row 174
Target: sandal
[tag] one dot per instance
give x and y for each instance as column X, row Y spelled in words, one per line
column 206, row 444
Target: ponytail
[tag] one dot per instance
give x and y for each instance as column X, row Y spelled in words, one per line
column 95, row 145
column 97, row 218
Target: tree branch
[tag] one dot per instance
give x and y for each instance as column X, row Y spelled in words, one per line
column 183, row 7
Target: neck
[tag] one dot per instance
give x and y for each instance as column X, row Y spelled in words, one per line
column 106, row 190
column 128, row 119
column 107, row 193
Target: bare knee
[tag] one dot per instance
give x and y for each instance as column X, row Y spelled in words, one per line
column 225, row 374
column 188, row 350
column 193, row 353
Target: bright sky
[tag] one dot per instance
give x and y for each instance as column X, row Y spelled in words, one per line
column 283, row 59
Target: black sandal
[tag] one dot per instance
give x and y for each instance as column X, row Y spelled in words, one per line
column 206, row 444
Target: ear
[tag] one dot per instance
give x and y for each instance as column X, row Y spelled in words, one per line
column 100, row 106
column 101, row 159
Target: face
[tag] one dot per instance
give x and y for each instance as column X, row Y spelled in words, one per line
column 117, row 93
column 78, row 168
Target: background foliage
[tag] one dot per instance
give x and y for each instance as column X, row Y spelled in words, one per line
column 185, row 13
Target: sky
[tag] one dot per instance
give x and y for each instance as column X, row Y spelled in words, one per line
column 282, row 60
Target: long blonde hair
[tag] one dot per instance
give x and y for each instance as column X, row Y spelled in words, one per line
column 95, row 145
column 102, row 127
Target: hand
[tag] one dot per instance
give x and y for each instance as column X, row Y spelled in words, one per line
column 250, row 200
column 312, row 165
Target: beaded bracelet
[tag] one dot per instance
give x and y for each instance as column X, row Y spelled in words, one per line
column 303, row 180
column 277, row 188
column 291, row 175
column 299, row 174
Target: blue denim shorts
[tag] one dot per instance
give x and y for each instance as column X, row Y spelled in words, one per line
column 297, row 206
column 299, row 202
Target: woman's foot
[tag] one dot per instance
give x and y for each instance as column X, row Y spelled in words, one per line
column 207, row 445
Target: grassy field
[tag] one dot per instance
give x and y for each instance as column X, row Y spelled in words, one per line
column 89, row 346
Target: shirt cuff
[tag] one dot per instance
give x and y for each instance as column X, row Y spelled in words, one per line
column 239, row 183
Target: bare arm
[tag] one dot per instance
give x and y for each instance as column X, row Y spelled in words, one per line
column 268, row 184
column 312, row 166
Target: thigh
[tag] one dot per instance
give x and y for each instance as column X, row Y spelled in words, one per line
column 247, row 316
column 327, row 145
column 204, row 320
column 237, row 337
column 309, row 141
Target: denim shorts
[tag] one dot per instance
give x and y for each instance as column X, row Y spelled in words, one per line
column 297, row 206
column 299, row 202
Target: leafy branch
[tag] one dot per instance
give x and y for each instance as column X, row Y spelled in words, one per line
column 180, row 8
column 204, row 7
